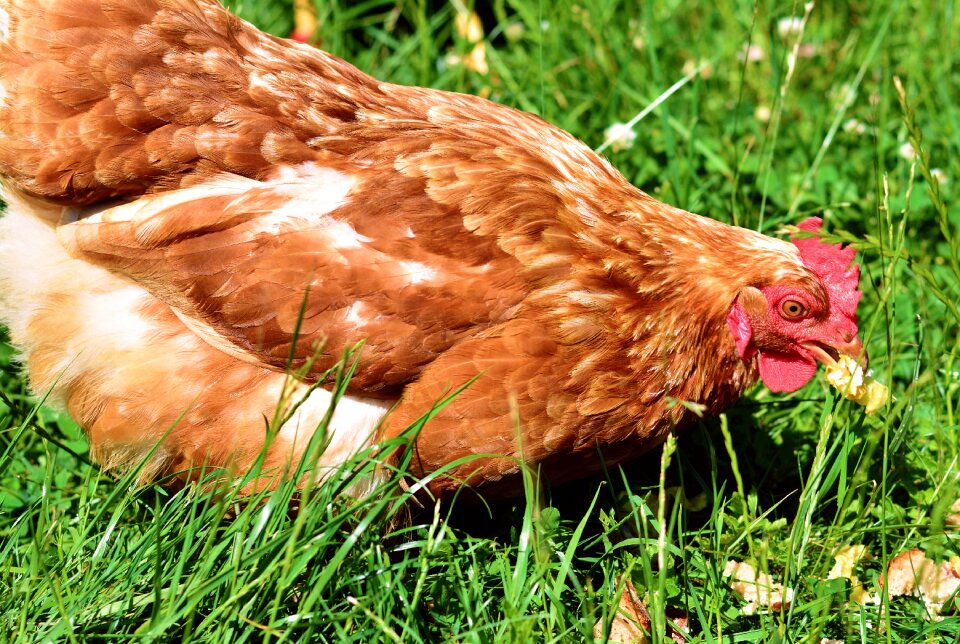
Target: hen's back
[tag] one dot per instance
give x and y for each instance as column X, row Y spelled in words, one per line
column 110, row 98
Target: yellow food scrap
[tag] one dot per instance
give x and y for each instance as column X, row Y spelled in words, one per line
column 848, row 376
column 845, row 560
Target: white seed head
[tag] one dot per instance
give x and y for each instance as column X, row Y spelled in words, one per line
column 789, row 27
column 620, row 136
column 853, row 126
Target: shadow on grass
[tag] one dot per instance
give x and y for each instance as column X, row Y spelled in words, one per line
column 769, row 467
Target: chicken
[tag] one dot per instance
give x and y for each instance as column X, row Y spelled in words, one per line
column 197, row 209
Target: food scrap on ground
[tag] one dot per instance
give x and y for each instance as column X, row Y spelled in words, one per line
column 913, row 573
column 758, row 589
column 844, row 562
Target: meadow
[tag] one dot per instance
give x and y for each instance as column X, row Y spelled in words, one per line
column 845, row 110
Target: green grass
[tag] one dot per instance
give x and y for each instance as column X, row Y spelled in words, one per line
column 787, row 479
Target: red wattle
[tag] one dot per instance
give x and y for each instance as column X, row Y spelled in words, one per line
column 781, row 372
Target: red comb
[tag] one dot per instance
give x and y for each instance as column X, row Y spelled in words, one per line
column 831, row 263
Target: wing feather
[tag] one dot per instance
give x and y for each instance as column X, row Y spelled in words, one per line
column 245, row 262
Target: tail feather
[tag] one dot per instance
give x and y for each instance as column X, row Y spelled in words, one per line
column 108, row 98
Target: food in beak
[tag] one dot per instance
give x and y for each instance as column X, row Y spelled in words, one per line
column 846, row 375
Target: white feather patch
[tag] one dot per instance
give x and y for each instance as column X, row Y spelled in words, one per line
column 107, row 333
column 305, row 194
column 36, row 275
column 415, row 272
column 350, row 429
column 354, row 313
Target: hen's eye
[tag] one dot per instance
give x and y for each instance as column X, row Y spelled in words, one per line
column 793, row 309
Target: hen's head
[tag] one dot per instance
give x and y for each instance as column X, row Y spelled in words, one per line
column 792, row 324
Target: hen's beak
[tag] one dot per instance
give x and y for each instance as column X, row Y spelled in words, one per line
column 828, row 353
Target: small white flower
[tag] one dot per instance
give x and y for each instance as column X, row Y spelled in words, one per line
column 940, row 175
column 704, row 67
column 907, row 152
column 514, row 31
column 762, row 113
column 476, row 60
column 450, row 60
column 751, row 54
column 639, row 37
column 544, row 25
column 854, row 126
column 842, row 94
column 789, row 27
column 620, row 136
column 791, row 62
column 808, row 50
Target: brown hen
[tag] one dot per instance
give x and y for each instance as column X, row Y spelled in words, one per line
column 186, row 195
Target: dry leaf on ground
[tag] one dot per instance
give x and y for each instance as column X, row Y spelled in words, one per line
column 631, row 625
